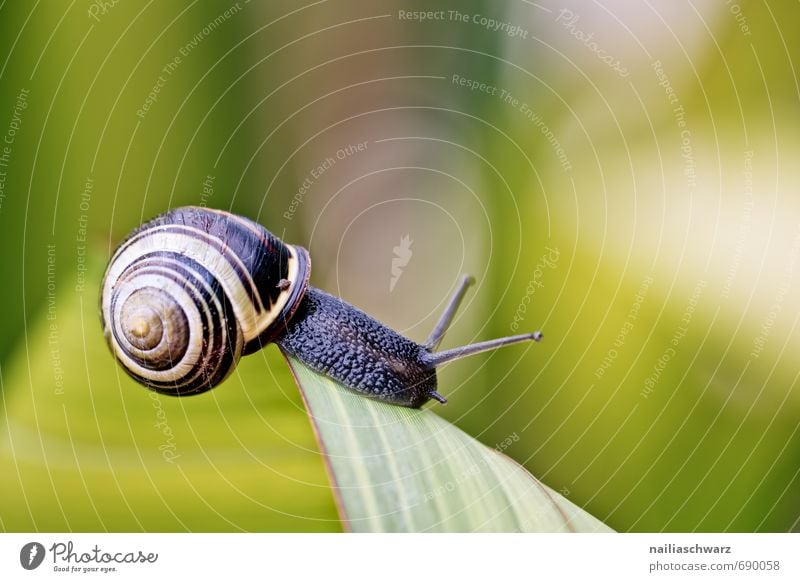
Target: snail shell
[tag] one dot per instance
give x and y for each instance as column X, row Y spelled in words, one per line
column 188, row 293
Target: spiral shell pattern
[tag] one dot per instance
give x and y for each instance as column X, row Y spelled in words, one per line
column 188, row 293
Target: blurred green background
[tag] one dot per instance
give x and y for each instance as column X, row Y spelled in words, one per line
column 623, row 177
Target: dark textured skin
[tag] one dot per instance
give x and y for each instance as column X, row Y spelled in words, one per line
column 341, row 341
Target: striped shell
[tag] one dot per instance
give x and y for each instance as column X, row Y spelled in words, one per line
column 188, row 293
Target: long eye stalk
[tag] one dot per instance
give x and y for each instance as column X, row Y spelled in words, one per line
column 437, row 358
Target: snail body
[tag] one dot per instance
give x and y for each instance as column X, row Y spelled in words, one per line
column 188, row 293
column 343, row 342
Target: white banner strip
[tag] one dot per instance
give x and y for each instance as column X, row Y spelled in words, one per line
column 402, row 557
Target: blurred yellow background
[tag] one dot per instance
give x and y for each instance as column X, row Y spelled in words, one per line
column 622, row 177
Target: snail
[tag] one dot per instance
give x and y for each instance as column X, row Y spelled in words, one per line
column 188, row 293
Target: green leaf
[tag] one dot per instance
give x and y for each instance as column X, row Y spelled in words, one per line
column 400, row 469
column 86, row 451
